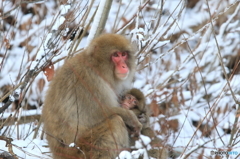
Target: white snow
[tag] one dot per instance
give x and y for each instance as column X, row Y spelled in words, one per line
column 180, row 56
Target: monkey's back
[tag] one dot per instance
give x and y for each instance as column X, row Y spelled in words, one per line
column 67, row 109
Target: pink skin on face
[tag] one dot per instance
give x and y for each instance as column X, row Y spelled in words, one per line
column 121, row 69
column 129, row 102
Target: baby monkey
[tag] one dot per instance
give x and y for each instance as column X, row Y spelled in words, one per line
column 134, row 100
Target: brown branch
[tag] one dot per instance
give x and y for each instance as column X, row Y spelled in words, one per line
column 22, row 120
column 134, row 16
column 5, row 106
column 9, row 102
column 9, row 145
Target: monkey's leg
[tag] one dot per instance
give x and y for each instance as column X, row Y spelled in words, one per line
column 107, row 139
column 63, row 151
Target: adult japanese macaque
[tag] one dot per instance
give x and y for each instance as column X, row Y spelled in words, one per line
column 81, row 114
column 134, row 100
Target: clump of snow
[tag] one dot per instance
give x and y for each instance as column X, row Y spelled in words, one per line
column 144, row 140
column 124, row 155
column 72, row 145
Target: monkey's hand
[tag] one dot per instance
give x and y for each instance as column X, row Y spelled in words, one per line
column 133, row 125
column 142, row 118
column 129, row 118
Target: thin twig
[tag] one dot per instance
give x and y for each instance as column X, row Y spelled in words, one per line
column 9, row 145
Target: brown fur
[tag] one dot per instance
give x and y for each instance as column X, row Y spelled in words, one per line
column 81, row 105
column 140, row 110
column 143, row 114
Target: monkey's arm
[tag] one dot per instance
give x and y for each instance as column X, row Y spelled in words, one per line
column 129, row 118
column 142, row 116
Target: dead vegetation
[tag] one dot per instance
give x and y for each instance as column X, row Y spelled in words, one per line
column 188, row 65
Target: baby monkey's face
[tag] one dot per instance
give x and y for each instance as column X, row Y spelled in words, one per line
column 129, row 101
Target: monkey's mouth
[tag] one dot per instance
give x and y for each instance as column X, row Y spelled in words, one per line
column 127, row 106
column 122, row 76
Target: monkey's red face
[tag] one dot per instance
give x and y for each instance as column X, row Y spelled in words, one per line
column 121, row 69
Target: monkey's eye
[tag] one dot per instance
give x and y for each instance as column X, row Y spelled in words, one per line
column 115, row 54
column 124, row 53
